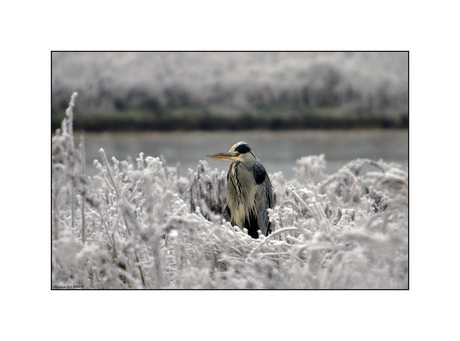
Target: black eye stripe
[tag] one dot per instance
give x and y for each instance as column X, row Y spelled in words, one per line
column 243, row 148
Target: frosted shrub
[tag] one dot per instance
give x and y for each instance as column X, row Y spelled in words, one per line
column 142, row 225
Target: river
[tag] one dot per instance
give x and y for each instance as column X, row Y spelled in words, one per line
column 277, row 150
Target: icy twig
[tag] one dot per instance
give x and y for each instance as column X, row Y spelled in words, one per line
column 269, row 237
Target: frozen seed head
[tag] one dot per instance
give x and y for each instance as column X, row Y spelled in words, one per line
column 72, row 99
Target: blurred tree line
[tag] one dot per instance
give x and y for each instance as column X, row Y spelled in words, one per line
column 325, row 99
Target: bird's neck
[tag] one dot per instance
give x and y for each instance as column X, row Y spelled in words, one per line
column 248, row 160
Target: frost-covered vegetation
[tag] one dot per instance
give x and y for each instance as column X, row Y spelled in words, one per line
column 142, row 225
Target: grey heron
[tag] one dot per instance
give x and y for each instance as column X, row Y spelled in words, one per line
column 249, row 191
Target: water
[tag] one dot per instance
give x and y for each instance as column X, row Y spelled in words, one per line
column 278, row 150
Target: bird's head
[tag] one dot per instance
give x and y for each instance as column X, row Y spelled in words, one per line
column 239, row 152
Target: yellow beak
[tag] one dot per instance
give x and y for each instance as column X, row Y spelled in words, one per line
column 223, row 156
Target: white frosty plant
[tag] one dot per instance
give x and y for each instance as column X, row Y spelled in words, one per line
column 143, row 225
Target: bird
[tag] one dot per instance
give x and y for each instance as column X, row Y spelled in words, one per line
column 249, row 192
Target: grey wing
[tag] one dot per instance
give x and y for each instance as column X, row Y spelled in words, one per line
column 265, row 198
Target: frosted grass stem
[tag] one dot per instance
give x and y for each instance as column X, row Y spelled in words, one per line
column 72, row 205
column 107, row 167
column 114, row 185
column 69, row 113
column 270, row 236
column 120, row 209
column 289, row 189
column 57, row 186
column 83, row 196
